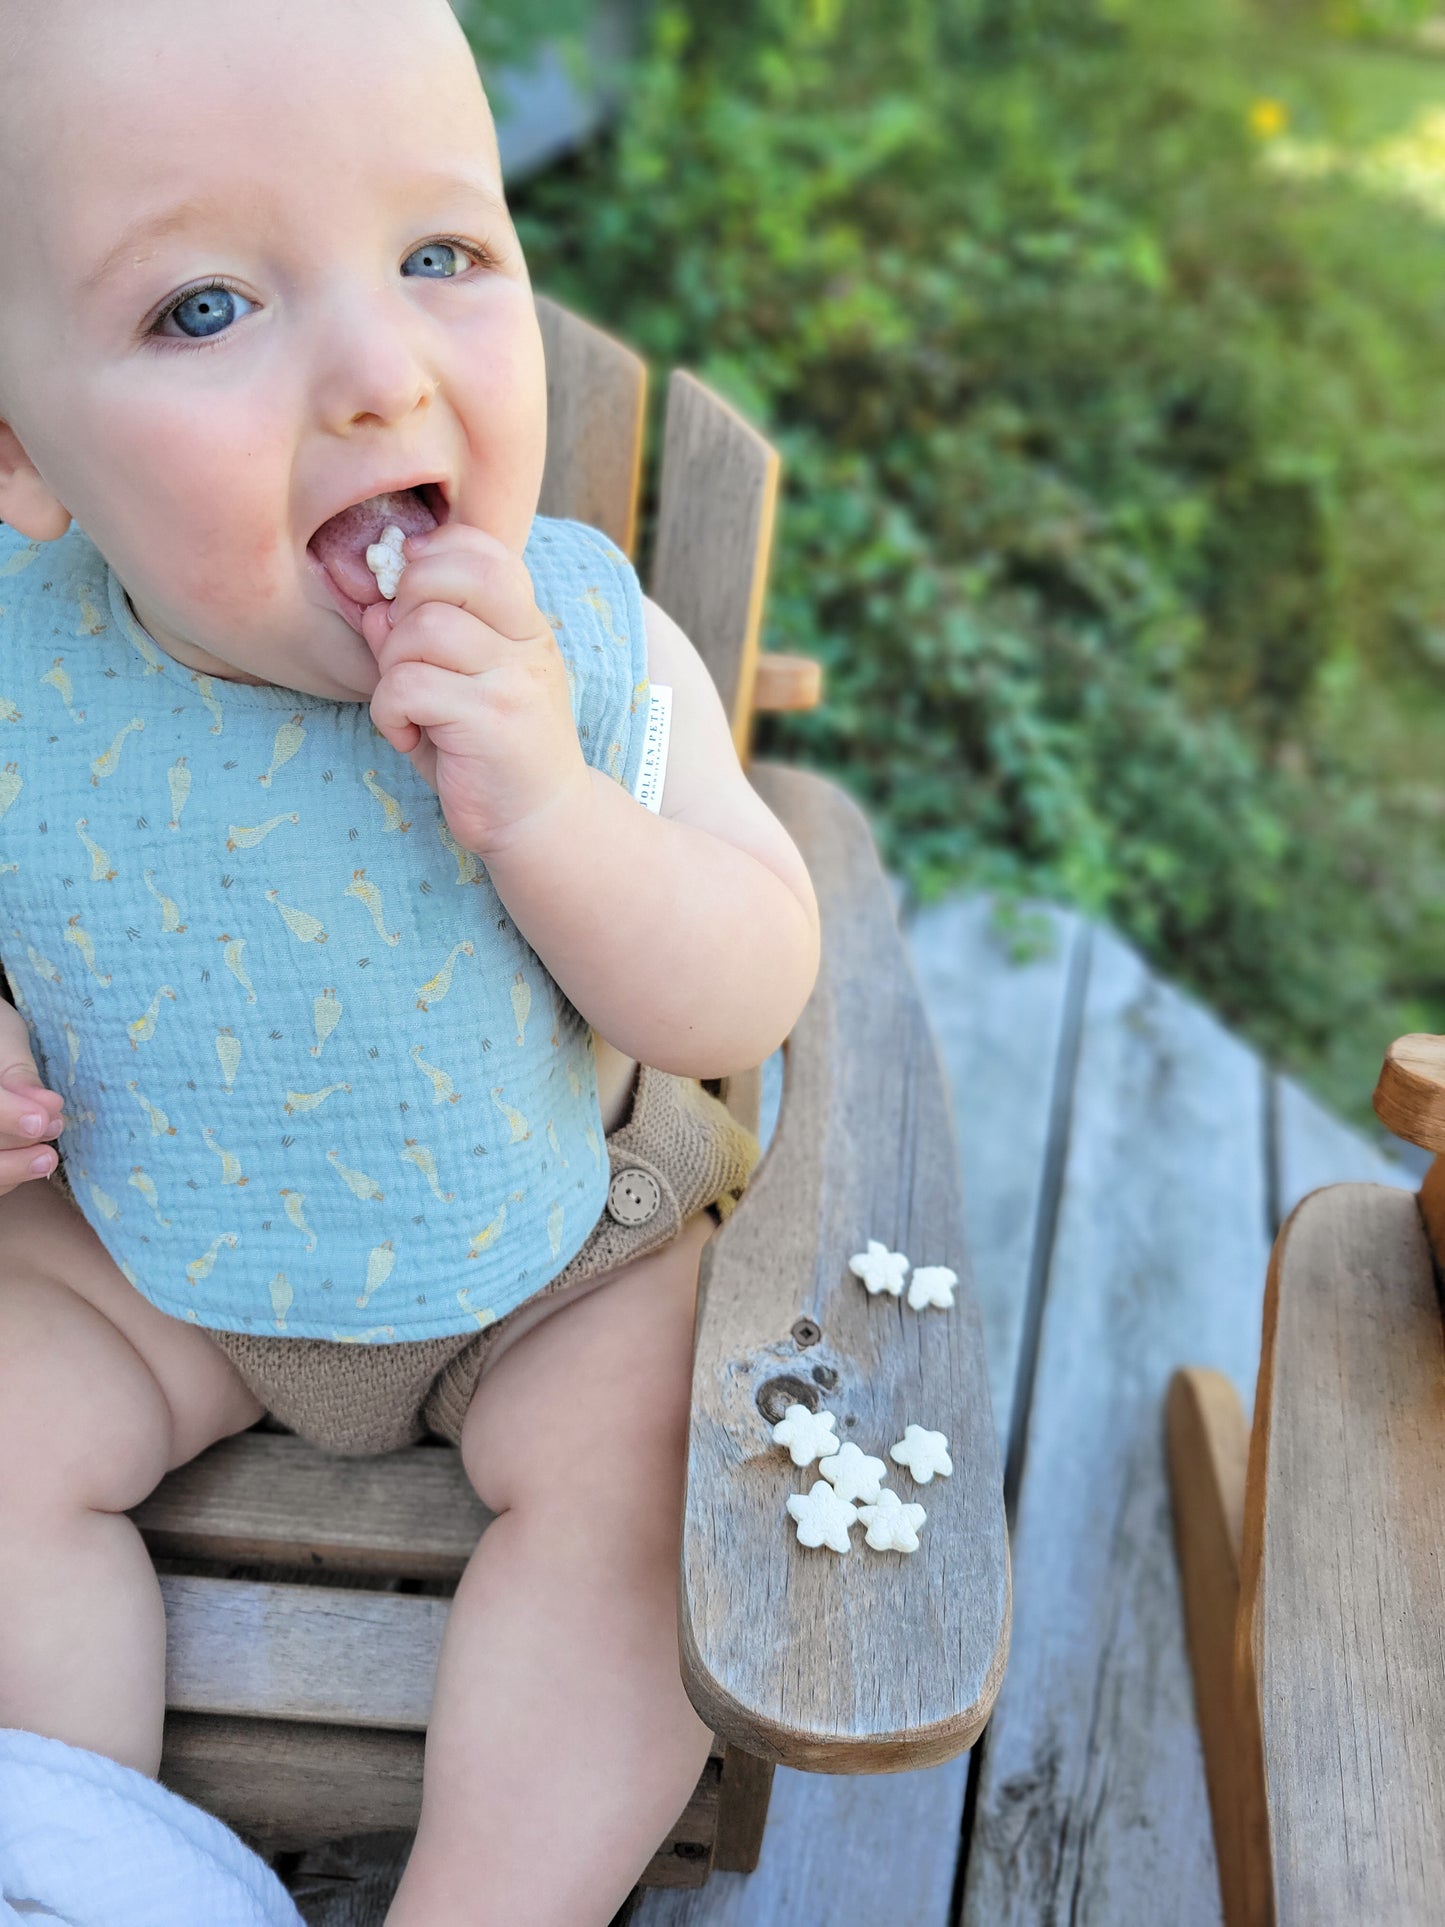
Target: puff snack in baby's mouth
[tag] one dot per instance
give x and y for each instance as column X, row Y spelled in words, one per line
column 385, row 560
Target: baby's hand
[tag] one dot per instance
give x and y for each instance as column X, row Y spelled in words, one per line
column 473, row 686
column 29, row 1115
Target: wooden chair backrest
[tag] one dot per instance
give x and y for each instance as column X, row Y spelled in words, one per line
column 717, row 493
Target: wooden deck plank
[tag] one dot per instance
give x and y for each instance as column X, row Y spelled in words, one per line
column 998, row 1026
column 1092, row 1804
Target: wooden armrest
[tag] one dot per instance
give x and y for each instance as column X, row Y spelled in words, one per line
column 787, row 682
column 865, row 1662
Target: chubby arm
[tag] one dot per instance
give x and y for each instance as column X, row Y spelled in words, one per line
column 687, row 939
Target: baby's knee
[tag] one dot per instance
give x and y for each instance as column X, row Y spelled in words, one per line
column 82, row 1420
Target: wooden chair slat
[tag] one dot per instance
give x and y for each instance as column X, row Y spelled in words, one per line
column 266, row 1498
column 300, row 1652
column 285, row 1785
column 1342, row 1605
column 1208, row 1444
column 288, row 1784
column 717, row 499
column 596, row 408
column 863, row 1148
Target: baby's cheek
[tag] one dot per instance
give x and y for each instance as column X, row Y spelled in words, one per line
column 225, row 568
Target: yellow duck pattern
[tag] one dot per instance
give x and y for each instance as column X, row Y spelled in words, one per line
column 316, row 1081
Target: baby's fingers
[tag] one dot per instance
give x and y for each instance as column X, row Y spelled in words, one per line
column 29, row 1113
column 24, row 1163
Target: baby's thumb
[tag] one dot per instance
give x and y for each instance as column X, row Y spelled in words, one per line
column 376, row 625
column 19, row 1076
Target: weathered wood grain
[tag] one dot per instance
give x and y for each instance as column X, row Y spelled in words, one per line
column 1005, row 1028
column 718, row 492
column 286, row 1785
column 301, row 1652
column 1342, row 1632
column 795, row 1655
column 1000, row 1026
column 1091, row 1803
column 269, row 1498
column 596, row 405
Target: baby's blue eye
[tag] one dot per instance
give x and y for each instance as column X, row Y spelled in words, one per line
column 438, row 259
column 208, row 311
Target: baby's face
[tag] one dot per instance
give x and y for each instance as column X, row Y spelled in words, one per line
column 256, row 269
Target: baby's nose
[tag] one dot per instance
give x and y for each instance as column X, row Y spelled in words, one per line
column 374, row 374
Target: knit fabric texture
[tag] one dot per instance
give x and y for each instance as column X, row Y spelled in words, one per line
column 363, row 1399
column 317, row 1082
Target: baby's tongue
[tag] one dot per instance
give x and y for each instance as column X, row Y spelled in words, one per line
column 340, row 545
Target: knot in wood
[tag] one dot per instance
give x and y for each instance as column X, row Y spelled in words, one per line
column 775, row 1395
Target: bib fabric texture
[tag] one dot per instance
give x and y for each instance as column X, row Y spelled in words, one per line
column 316, row 1081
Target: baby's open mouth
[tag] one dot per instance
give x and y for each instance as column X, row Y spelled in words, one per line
column 340, row 544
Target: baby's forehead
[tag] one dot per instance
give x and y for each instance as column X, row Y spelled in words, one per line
column 94, row 84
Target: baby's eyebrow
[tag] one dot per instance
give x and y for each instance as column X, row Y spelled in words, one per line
column 145, row 228
column 156, row 226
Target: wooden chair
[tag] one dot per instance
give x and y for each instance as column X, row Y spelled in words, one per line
column 1312, row 1554
column 287, row 1574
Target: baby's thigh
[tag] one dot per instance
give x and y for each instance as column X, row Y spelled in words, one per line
column 100, row 1393
column 593, row 1403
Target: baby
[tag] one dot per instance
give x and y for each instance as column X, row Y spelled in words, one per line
column 334, row 923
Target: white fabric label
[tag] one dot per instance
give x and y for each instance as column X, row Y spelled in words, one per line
column 653, row 773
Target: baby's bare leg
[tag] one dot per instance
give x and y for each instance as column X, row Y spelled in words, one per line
column 562, row 1746
column 100, row 1395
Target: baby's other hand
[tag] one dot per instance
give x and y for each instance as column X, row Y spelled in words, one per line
column 30, row 1115
column 473, row 687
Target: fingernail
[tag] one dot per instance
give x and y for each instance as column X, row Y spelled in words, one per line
column 40, row 1164
column 31, row 1123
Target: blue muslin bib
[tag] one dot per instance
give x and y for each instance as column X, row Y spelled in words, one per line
column 317, row 1082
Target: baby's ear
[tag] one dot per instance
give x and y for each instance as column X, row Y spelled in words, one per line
column 26, row 502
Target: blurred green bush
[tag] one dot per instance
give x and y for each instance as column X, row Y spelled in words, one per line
column 1113, row 485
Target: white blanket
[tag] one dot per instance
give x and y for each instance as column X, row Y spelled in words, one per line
column 94, row 1844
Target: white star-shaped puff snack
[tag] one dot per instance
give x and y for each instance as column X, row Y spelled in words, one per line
column 807, row 1435
column 923, row 1452
column 932, row 1285
column 879, row 1268
column 386, row 561
column 853, row 1474
column 823, row 1518
column 892, row 1525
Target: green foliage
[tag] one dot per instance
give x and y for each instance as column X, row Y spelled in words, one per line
column 1112, row 487
column 510, row 34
